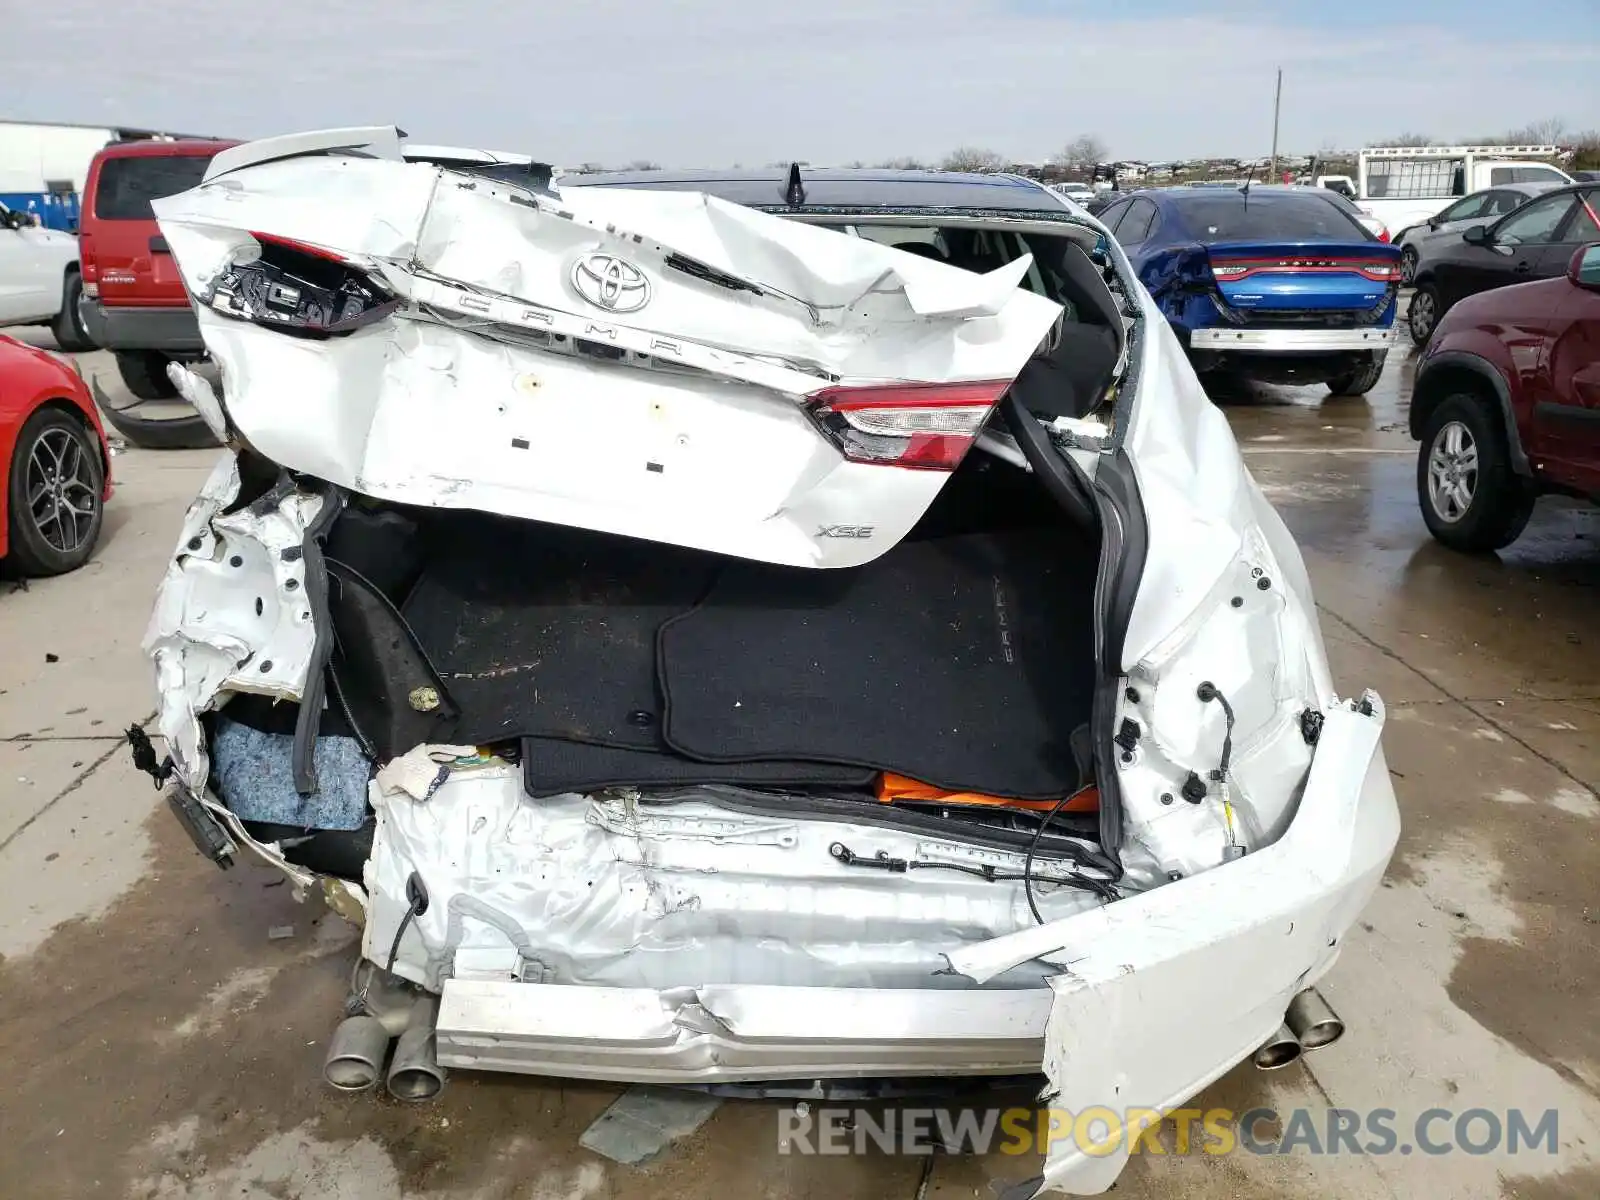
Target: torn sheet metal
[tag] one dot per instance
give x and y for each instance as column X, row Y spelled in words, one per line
column 232, row 612
column 627, row 361
column 607, row 890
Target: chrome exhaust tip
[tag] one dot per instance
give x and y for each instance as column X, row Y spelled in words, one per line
column 1278, row 1051
column 356, row 1053
column 1312, row 1021
column 414, row 1073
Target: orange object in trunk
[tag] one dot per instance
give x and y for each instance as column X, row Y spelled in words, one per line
column 894, row 788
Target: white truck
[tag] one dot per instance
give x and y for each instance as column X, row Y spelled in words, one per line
column 1405, row 185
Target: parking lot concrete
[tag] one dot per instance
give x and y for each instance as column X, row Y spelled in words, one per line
column 159, row 1044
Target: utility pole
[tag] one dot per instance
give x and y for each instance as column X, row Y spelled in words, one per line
column 1277, row 99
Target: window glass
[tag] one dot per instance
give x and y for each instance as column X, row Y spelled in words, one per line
column 1472, row 206
column 1500, row 176
column 1536, row 223
column 1233, row 216
column 1535, row 175
column 1585, row 223
column 1115, row 213
column 127, row 185
column 1136, row 226
column 1501, row 203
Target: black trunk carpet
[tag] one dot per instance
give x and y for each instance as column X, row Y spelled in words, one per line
column 965, row 662
column 543, row 631
column 551, row 766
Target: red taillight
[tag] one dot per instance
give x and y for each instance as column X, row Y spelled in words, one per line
column 272, row 239
column 1383, row 235
column 924, row 426
column 1229, row 270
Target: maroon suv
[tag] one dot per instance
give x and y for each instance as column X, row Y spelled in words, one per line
column 1507, row 406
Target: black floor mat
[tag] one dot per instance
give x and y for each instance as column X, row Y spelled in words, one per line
column 551, row 766
column 541, row 631
column 965, row 662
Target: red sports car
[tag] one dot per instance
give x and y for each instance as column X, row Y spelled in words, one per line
column 55, row 467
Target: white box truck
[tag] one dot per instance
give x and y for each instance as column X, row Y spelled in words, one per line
column 1405, row 185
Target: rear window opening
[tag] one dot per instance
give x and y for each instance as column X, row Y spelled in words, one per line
column 948, row 685
column 126, row 186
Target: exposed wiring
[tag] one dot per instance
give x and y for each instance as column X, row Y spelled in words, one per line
column 1208, row 692
column 417, row 897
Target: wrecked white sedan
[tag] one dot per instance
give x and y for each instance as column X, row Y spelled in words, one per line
column 780, row 626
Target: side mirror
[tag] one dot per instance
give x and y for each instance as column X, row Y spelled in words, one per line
column 1584, row 269
column 1477, row 235
column 1434, row 222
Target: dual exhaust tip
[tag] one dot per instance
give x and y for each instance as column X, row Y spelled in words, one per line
column 360, row 1047
column 1309, row 1024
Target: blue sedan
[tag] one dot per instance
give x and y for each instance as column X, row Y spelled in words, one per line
column 1279, row 284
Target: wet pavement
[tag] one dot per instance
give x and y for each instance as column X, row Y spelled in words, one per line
column 161, row 1045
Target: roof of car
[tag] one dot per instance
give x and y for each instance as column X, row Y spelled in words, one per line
column 844, row 187
column 162, row 148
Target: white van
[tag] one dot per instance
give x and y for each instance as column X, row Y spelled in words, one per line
column 1405, row 185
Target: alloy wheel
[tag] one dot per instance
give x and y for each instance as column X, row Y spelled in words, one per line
column 62, row 500
column 1408, row 266
column 1452, row 472
column 1422, row 315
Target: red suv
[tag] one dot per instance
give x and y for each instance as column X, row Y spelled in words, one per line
column 1507, row 406
column 134, row 303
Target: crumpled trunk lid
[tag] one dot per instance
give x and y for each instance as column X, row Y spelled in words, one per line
column 643, row 363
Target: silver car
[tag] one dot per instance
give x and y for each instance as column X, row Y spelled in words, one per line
column 1469, row 210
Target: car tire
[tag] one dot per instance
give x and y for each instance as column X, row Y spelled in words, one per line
column 144, row 372
column 1423, row 316
column 1408, row 265
column 56, row 494
column 70, row 332
column 1472, row 499
column 1362, row 380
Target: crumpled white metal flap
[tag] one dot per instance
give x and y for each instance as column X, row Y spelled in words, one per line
column 505, row 382
column 380, row 141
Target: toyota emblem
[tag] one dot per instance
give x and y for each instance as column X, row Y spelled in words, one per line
column 610, row 283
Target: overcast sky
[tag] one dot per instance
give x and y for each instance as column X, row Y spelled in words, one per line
column 717, row 82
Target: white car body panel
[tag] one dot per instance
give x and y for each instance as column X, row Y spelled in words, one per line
column 33, row 270
column 784, row 962
column 710, row 397
column 1167, row 990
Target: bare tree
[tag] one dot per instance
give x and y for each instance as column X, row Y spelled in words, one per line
column 1410, row 139
column 1547, row 132
column 1085, row 150
column 643, row 164
column 909, row 163
column 973, row 158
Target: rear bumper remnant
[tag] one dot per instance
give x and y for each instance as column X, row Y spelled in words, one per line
column 725, row 1033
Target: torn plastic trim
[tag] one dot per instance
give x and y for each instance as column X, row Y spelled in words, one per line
column 1167, row 990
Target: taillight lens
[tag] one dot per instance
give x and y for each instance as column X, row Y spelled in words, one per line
column 301, row 289
column 922, row 426
column 1378, row 270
